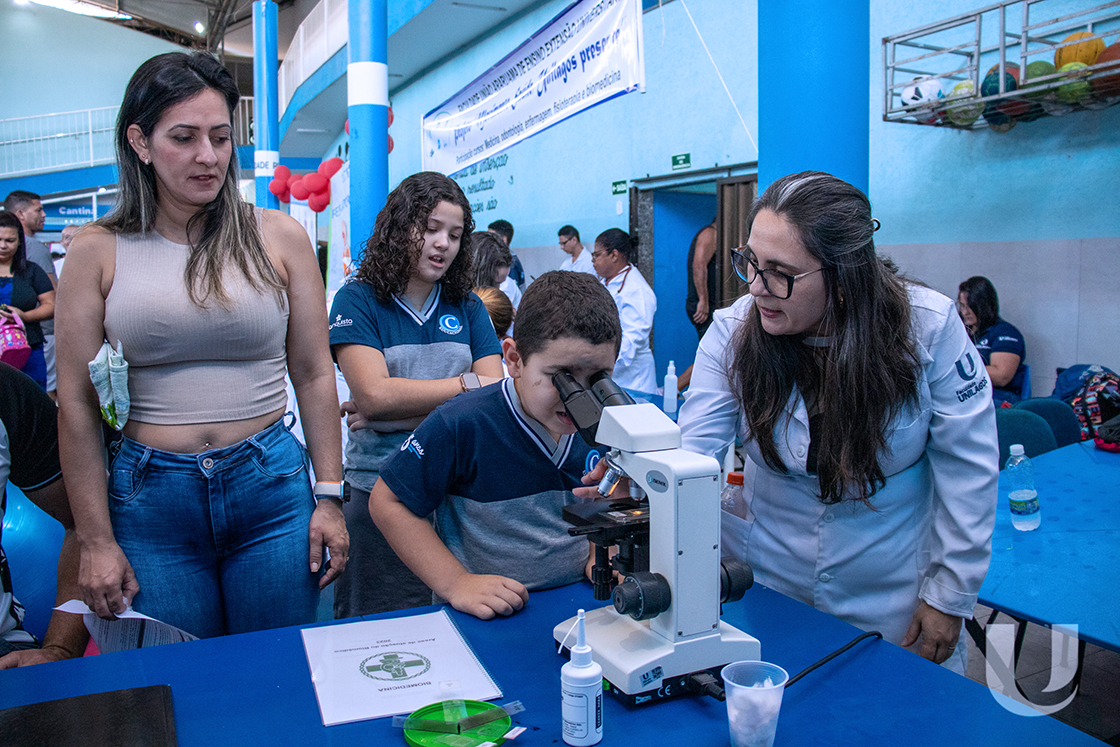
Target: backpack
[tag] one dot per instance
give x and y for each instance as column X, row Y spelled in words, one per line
column 1096, row 402
column 14, row 349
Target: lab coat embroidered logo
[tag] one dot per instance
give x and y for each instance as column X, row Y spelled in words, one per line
column 966, row 368
column 450, row 324
column 395, row 666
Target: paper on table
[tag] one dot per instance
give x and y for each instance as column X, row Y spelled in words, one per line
column 130, row 630
column 377, row 668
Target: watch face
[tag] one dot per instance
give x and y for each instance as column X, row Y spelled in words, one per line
column 471, row 381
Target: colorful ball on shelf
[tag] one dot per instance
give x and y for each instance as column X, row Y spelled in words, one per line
column 923, row 95
column 1035, row 70
column 1077, row 89
column 963, row 114
column 1108, row 85
column 996, row 119
column 990, row 85
column 1085, row 52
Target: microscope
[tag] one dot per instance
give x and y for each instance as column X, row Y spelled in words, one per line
column 663, row 636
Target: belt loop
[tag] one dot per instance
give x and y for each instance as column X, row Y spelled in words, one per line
column 288, row 425
column 144, row 459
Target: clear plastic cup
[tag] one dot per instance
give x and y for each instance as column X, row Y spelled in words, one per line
column 754, row 697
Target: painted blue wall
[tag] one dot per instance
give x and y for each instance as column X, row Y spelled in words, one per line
column 56, row 61
column 677, row 217
column 564, row 175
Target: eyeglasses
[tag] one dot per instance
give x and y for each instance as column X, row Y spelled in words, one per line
column 778, row 284
column 598, row 253
column 564, row 242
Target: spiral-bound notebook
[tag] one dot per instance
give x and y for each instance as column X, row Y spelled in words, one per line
column 376, row 668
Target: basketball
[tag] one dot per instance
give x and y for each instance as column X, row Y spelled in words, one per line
column 1109, row 85
column 963, row 114
column 1077, row 90
column 1085, row 52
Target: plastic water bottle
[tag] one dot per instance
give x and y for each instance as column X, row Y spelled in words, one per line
column 671, row 389
column 1025, row 515
column 732, row 496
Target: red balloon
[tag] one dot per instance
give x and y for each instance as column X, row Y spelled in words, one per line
column 390, row 117
column 285, row 198
column 316, row 203
column 277, row 187
column 292, row 179
column 315, row 182
column 390, row 144
column 300, row 190
column 282, row 173
column 330, row 167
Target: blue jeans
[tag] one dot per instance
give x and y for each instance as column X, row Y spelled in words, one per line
column 218, row 540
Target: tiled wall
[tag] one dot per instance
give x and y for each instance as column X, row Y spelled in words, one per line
column 1063, row 295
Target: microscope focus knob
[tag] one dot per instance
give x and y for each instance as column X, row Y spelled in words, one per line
column 735, row 577
column 642, row 595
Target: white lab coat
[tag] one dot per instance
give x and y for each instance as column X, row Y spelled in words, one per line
column 509, row 287
column 634, row 368
column 929, row 535
column 580, row 264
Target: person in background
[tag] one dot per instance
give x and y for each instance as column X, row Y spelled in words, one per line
column 702, row 278
column 636, row 304
column 207, row 519
column 29, row 458
column 28, row 207
column 68, row 233
column 408, row 335
column 499, row 308
column 578, row 260
column 491, row 260
column 26, row 292
column 514, row 285
column 870, row 479
column 1000, row 344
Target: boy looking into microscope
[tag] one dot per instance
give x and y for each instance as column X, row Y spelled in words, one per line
column 497, row 465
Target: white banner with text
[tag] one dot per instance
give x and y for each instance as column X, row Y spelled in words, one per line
column 589, row 53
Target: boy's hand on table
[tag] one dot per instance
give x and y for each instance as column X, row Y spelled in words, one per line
column 485, row 596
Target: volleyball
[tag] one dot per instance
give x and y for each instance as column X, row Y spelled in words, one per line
column 963, row 114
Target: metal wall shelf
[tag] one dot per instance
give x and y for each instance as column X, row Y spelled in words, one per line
column 1001, row 36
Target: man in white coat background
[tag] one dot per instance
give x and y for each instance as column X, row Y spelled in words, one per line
column 634, row 368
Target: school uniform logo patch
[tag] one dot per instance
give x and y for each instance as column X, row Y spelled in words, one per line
column 411, row 444
column 966, row 368
column 450, row 324
column 592, row 459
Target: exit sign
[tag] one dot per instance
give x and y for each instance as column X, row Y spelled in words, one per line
column 682, row 161
column 618, row 188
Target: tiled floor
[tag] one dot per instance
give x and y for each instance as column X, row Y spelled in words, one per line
column 1096, row 708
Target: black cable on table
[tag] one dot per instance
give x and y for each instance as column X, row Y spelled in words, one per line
column 833, row 655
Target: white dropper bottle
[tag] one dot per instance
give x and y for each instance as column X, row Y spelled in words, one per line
column 581, row 687
column 671, row 389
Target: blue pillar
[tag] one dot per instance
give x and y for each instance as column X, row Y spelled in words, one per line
column 814, row 88
column 367, row 91
column 266, row 111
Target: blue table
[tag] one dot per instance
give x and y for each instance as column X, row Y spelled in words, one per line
column 1064, row 572
column 256, row 689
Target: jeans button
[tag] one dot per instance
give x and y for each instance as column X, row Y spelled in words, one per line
column 207, row 463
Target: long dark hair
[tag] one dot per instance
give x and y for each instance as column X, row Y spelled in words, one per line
column 19, row 260
column 981, row 297
column 490, row 255
column 870, row 370
column 227, row 228
column 393, row 251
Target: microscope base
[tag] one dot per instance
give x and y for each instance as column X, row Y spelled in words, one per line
column 636, row 660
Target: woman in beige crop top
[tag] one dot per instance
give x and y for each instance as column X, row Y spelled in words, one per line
column 212, row 304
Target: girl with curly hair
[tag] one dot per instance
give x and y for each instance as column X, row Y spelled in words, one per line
column 408, row 335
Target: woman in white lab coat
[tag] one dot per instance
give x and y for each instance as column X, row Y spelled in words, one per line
column 866, row 417
column 634, row 367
